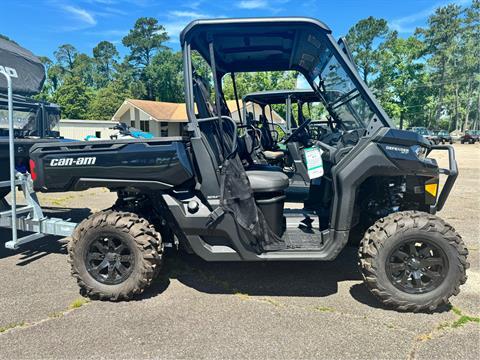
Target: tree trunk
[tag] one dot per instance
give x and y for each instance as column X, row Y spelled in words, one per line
column 456, row 104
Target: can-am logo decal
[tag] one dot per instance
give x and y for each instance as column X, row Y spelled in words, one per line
column 8, row 70
column 397, row 149
column 81, row 161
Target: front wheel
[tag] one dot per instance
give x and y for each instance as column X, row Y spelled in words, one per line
column 413, row 261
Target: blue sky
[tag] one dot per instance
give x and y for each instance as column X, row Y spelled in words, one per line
column 43, row 25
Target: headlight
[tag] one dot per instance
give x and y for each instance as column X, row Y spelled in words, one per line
column 420, row 151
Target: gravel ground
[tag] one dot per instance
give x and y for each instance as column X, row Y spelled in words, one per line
column 233, row 310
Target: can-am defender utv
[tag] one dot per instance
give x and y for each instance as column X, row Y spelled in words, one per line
column 194, row 191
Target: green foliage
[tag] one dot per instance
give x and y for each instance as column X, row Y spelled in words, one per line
column 5, row 37
column 66, row 55
column 83, row 68
column 260, row 81
column 107, row 100
column 74, row 98
column 361, row 39
column 105, row 56
column 144, row 40
column 166, row 76
column 401, row 79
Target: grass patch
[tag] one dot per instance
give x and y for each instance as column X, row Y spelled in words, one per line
column 11, row 326
column 55, row 315
column 242, row 296
column 424, row 337
column 456, row 311
column 463, row 319
column 324, row 309
column 443, row 326
column 272, row 302
column 78, row 303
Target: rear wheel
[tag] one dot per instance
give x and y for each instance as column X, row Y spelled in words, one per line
column 114, row 255
column 413, row 261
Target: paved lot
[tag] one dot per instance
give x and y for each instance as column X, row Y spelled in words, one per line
column 234, row 310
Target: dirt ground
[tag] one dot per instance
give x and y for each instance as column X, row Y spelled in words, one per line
column 234, row 310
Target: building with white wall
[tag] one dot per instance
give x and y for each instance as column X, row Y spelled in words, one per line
column 156, row 117
column 80, row 129
column 169, row 119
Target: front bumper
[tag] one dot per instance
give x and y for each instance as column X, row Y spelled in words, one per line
column 451, row 173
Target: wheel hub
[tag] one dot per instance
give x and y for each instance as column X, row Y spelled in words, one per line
column 109, row 260
column 112, row 256
column 417, row 266
column 414, row 264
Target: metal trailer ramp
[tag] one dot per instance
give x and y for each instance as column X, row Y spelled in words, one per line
column 30, row 217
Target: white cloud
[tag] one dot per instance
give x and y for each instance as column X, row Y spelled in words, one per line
column 173, row 30
column 408, row 24
column 178, row 19
column 187, row 14
column 253, row 4
column 80, row 14
column 108, row 33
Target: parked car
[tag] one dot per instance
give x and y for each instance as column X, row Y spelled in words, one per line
column 442, row 136
column 427, row 134
column 470, row 137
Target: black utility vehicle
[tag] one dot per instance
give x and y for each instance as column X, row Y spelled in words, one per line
column 194, row 191
column 34, row 121
column 443, row 137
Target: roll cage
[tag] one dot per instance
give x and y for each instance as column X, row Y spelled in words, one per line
column 270, row 44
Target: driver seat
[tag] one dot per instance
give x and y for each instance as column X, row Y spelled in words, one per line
column 261, row 181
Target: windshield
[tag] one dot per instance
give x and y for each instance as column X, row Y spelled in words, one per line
column 341, row 94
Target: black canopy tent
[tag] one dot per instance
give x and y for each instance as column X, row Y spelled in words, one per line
column 25, row 69
column 28, row 75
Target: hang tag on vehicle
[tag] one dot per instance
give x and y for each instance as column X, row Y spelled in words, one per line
column 313, row 158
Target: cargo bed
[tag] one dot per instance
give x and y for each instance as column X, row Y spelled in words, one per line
column 145, row 164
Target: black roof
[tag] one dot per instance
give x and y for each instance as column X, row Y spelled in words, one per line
column 279, row 96
column 259, row 44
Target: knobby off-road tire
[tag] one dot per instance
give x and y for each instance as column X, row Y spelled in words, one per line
column 378, row 251
column 97, row 239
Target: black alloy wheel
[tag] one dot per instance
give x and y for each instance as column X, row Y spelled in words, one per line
column 109, row 260
column 417, row 266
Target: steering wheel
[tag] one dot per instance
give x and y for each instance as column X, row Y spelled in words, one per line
column 296, row 131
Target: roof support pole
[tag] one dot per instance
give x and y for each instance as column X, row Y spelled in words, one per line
column 11, row 153
column 218, row 99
